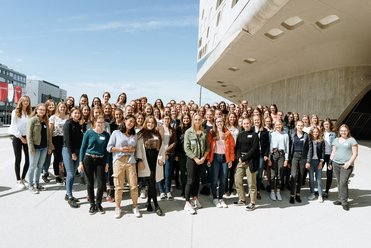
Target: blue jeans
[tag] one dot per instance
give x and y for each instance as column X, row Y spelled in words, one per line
column 314, row 170
column 71, row 167
column 46, row 165
column 36, row 164
column 168, row 167
column 259, row 175
column 218, row 170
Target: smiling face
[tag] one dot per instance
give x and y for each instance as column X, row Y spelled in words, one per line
column 151, row 124
column 246, row 124
column 76, row 114
column 130, row 123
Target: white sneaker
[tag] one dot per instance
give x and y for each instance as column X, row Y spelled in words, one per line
column 223, row 204
column 311, row 197
column 137, row 212
column 189, row 208
column 162, row 196
column 197, row 203
column 143, row 193
column 169, row 196
column 217, row 203
column 320, row 199
column 20, row 185
column 278, row 196
column 273, row 196
column 117, row 213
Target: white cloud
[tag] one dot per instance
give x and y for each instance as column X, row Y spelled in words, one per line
column 19, row 60
column 138, row 25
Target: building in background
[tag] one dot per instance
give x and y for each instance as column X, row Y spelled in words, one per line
column 305, row 56
column 12, row 87
column 40, row 90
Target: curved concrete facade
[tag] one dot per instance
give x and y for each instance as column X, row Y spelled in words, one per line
column 327, row 93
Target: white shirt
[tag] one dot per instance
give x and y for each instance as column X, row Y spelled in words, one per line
column 58, row 124
column 18, row 126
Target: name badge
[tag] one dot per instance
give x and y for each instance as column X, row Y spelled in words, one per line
column 44, row 126
column 302, row 139
column 102, row 138
column 193, row 142
column 249, row 136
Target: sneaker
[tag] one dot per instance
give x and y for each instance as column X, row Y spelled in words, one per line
column 59, row 180
column 239, row 203
column 217, row 203
column 117, row 213
column 34, row 190
column 20, row 185
column 136, row 212
column 228, row 193
column 325, row 195
column 149, row 207
column 45, row 178
column 345, row 207
column 234, row 192
column 273, row 196
column 110, row 199
column 105, row 194
column 169, row 196
column 100, row 208
column 311, row 197
column 278, row 195
column 143, row 193
column 250, row 207
column 292, row 200
column 297, row 198
column 320, row 199
column 162, row 196
column 82, row 180
column 189, row 208
column 41, row 188
column 337, row 202
column 159, row 211
column 223, row 204
column 72, row 203
column 92, row 209
column 197, row 203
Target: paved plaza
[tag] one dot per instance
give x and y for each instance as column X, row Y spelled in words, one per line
column 46, row 220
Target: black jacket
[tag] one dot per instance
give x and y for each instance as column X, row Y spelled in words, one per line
column 305, row 147
column 72, row 135
column 247, row 149
column 264, row 142
column 320, row 151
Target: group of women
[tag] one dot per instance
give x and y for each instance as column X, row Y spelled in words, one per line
column 146, row 145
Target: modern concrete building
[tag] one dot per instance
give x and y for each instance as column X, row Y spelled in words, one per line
column 305, row 56
column 40, row 90
column 12, row 87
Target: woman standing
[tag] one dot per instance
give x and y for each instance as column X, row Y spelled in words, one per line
column 234, row 129
column 220, row 158
column 50, row 111
column 72, row 139
column 298, row 158
column 151, row 155
column 196, row 147
column 18, row 131
column 94, row 162
column 328, row 136
column 279, row 152
column 168, row 141
column 56, row 123
column 122, row 144
column 344, row 153
column 179, row 150
column 316, row 156
column 263, row 136
column 38, row 146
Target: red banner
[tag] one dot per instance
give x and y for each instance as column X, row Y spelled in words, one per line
column 3, row 91
column 18, row 93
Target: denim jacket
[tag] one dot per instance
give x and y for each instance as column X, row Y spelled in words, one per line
column 195, row 146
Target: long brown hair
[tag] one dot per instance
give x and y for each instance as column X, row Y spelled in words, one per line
column 147, row 134
column 19, row 108
column 320, row 136
column 45, row 117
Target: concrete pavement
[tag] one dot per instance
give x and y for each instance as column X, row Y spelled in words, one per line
column 46, row 220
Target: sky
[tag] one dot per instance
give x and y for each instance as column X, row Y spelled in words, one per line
column 142, row 47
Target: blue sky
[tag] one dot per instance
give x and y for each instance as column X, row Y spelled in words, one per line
column 144, row 48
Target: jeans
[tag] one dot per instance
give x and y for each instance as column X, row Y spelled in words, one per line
column 71, row 167
column 314, row 170
column 342, row 177
column 259, row 175
column 36, row 164
column 17, row 148
column 229, row 182
column 94, row 169
column 58, row 145
column 297, row 171
column 218, row 171
column 46, row 165
column 193, row 178
column 168, row 171
column 278, row 158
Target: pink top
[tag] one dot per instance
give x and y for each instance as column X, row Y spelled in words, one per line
column 220, row 147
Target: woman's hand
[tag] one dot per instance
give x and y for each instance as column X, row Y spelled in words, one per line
column 106, row 168
column 269, row 162
column 320, row 165
column 230, row 165
column 24, row 140
column 346, row 165
column 81, row 167
column 74, row 157
column 307, row 166
column 286, row 163
column 141, row 165
column 160, row 162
